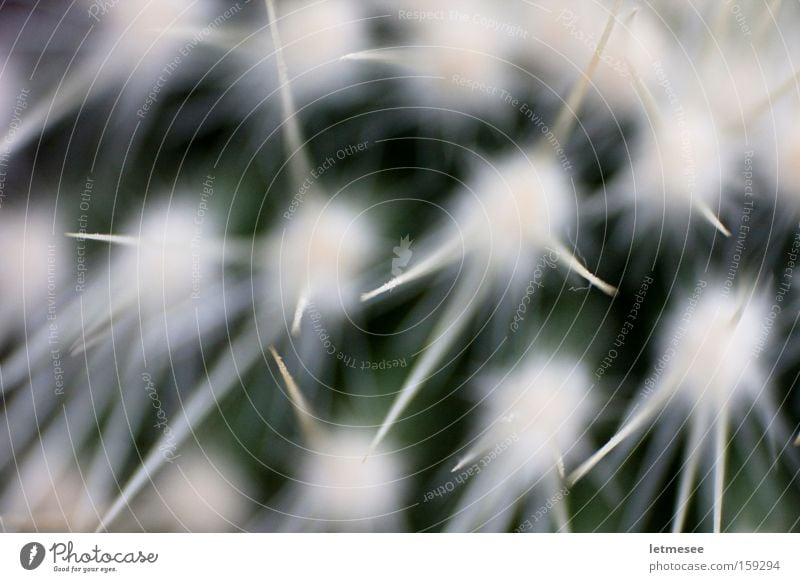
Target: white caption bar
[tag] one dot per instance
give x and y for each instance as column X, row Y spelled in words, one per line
column 405, row 557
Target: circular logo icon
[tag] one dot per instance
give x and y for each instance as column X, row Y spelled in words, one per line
column 31, row 555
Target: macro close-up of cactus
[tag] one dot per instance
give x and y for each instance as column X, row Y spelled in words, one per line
column 399, row 266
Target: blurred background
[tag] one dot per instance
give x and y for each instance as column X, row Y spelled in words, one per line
column 579, row 219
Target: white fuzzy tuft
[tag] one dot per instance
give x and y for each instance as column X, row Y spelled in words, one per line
column 534, row 419
column 346, row 493
column 33, row 265
column 202, row 491
column 714, row 363
column 173, row 258
column 547, row 406
column 135, row 26
column 461, row 48
column 682, row 168
column 315, row 35
column 325, row 249
column 518, row 207
column 709, row 374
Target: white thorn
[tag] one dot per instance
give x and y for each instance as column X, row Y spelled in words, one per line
column 709, row 215
column 299, row 403
column 560, row 513
column 568, row 114
column 243, row 352
column 302, row 305
column 558, row 457
column 372, row 55
column 455, row 318
column 688, row 473
column 299, row 164
column 465, row 460
column 438, row 259
column 720, row 454
column 633, row 425
column 117, row 239
column 579, row 268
